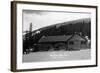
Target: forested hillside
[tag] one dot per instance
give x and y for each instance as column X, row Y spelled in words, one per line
column 82, row 26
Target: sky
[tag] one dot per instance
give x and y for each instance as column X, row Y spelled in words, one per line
column 42, row 18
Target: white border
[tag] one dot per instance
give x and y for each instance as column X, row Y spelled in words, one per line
column 21, row 65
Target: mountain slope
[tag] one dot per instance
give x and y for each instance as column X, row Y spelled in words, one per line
column 66, row 28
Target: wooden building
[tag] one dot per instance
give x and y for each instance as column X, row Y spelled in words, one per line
column 77, row 42
column 65, row 42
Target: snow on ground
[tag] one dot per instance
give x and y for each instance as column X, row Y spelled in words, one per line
column 57, row 56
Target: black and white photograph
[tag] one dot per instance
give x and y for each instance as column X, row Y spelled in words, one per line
column 53, row 36
column 56, row 36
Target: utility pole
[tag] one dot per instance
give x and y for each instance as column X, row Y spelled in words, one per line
column 30, row 28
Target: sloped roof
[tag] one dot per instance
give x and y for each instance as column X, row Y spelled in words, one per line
column 77, row 37
column 62, row 38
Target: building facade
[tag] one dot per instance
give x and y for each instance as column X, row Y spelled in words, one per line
column 65, row 42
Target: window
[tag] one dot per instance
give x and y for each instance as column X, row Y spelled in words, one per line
column 71, row 42
column 83, row 42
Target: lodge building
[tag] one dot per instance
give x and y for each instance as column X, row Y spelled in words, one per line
column 64, row 42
